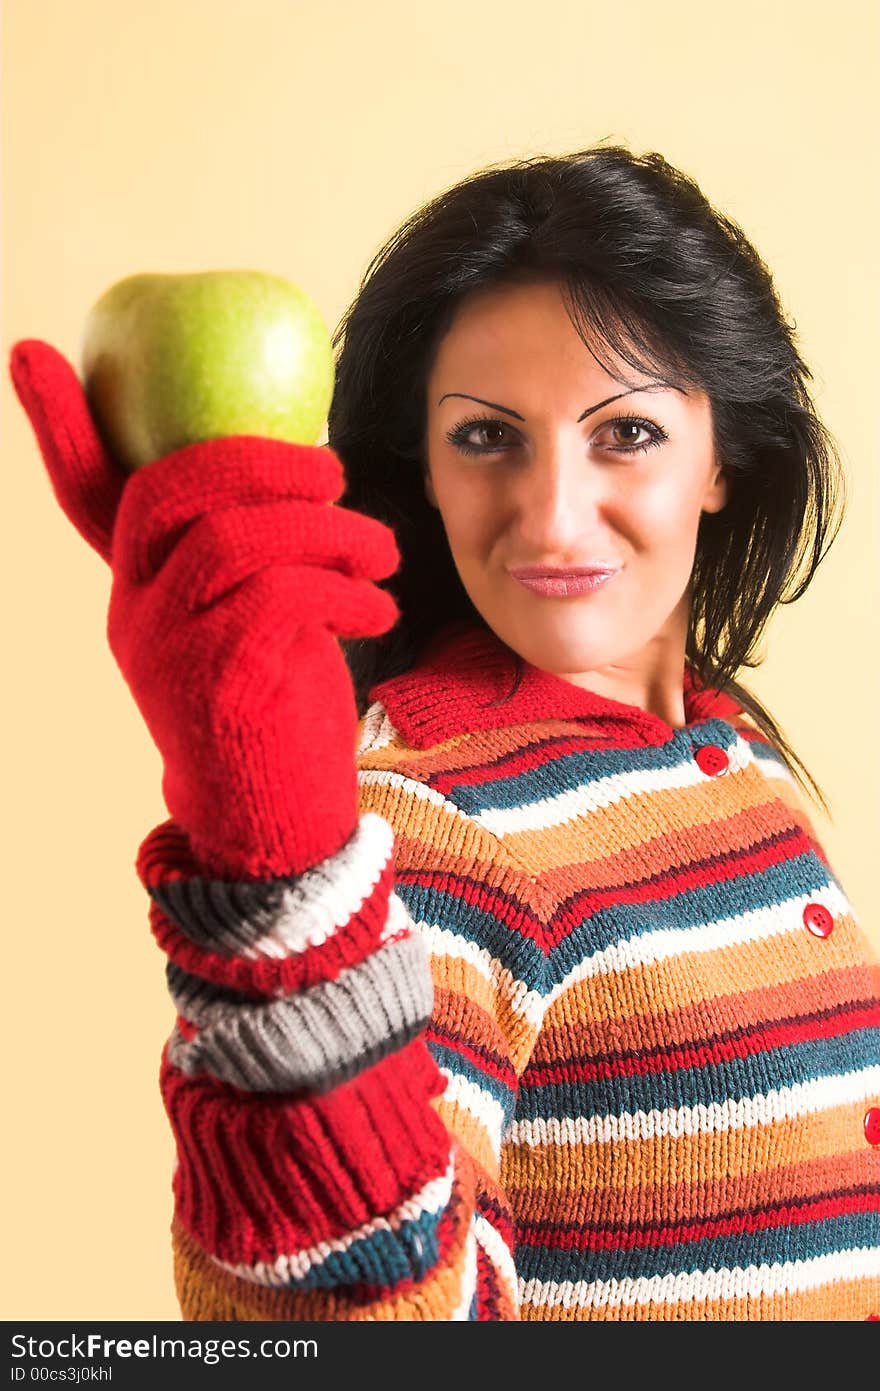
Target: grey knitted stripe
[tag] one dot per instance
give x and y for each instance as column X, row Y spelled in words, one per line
column 311, row 1040
column 280, row 917
column 193, row 996
column 224, row 917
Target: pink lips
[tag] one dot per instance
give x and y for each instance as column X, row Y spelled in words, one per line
column 562, row 583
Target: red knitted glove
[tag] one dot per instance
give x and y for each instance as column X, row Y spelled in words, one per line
column 232, row 583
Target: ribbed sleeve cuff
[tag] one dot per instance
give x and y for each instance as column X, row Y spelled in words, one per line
column 257, row 1180
column 278, row 936
column 313, row 1039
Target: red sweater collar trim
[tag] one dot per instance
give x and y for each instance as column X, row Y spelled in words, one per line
column 461, row 681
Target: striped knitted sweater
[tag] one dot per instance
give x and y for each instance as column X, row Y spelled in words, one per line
column 580, row 1024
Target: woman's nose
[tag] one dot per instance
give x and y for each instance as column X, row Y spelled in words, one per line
column 556, row 497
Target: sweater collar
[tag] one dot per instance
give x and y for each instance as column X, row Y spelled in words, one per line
column 461, row 680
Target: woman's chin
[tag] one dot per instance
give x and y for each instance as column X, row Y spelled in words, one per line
column 561, row 647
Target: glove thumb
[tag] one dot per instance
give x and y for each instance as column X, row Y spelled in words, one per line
column 86, row 481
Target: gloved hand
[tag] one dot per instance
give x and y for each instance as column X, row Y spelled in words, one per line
column 232, row 581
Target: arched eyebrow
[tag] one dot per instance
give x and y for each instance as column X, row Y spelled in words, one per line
column 493, row 405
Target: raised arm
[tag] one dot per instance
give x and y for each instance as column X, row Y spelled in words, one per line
column 315, row 1177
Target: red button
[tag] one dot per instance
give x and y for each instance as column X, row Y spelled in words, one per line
column 712, row 760
column 872, row 1125
column 818, row 920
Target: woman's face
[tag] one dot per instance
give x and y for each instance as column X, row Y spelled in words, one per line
column 541, row 470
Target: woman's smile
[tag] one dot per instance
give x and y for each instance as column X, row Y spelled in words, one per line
column 563, row 585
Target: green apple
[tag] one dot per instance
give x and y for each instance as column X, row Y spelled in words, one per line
column 169, row 360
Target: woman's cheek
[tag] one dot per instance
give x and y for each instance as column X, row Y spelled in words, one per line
column 473, row 523
column 666, row 520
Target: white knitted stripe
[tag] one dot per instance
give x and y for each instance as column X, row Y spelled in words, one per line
column 468, row 1280
column 753, row 1281
column 595, row 794
column 441, row 942
column 772, row 767
column 499, row 1254
column 329, row 894
column 434, row 1197
column 398, row 923
column 463, row 1092
column 419, row 790
column 377, row 730
column 764, row 1108
column 647, row 948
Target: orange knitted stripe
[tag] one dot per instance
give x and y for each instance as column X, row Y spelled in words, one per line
column 629, row 825
column 702, row 1198
column 584, row 1035
column 752, row 1153
column 710, row 975
column 671, row 848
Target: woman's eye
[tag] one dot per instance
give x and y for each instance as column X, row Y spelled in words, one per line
column 629, row 434
column 479, row 436
column 623, row 435
column 489, row 435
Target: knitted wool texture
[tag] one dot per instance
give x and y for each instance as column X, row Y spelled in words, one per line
column 232, row 579
column 579, row 1024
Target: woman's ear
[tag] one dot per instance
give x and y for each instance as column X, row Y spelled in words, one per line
column 429, row 489
column 717, row 494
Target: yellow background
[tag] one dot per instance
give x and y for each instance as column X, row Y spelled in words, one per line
column 294, row 137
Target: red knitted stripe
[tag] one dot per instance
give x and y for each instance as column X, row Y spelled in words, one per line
column 488, row 1062
column 742, row 1043
column 717, row 869
column 271, row 977
column 487, row 1288
column 528, row 759
column 506, row 908
column 591, row 1237
column 498, row 1217
column 260, row 1177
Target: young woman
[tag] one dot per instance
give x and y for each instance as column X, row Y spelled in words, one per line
column 511, row 979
